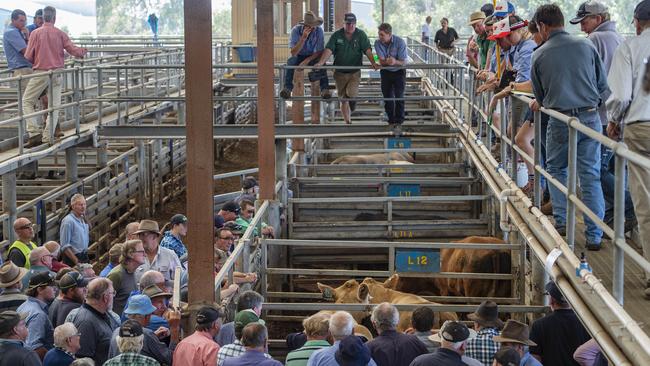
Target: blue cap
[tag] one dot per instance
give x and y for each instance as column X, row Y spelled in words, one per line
column 642, row 10
column 500, row 11
column 352, row 352
column 139, row 304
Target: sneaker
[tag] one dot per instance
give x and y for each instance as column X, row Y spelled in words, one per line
column 326, row 94
column 594, row 247
column 547, row 208
column 285, row 93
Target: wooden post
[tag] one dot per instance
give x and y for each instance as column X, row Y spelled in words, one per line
column 340, row 8
column 297, row 107
column 200, row 161
column 265, row 103
column 313, row 6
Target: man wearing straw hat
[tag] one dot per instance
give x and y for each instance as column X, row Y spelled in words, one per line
column 307, row 43
column 11, row 283
column 156, row 257
column 515, row 335
column 487, row 324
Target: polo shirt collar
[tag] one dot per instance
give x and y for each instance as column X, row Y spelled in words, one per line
column 14, row 342
column 95, row 311
column 555, row 32
column 320, row 342
column 449, row 352
column 39, row 302
column 389, row 333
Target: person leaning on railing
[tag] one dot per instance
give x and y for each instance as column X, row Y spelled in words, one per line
column 629, row 106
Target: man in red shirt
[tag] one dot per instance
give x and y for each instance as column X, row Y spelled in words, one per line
column 45, row 52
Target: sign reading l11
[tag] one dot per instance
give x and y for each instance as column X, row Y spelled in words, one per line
column 417, row 260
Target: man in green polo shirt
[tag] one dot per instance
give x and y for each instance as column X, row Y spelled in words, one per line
column 476, row 21
column 317, row 332
column 19, row 251
column 348, row 45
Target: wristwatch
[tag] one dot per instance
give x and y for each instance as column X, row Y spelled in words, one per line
column 512, row 86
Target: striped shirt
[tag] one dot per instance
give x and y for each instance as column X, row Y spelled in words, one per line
column 300, row 356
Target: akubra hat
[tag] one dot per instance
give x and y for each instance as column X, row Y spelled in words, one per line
column 515, row 332
column 311, row 20
column 10, row 274
column 148, row 226
column 487, row 315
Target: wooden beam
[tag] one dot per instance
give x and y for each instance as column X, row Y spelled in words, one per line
column 200, row 160
column 340, row 8
column 265, row 103
column 313, row 6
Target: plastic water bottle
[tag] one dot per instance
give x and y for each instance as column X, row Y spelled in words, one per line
column 522, row 174
column 583, row 265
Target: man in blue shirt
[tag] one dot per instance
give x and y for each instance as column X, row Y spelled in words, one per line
column 14, row 41
column 391, row 51
column 573, row 88
column 38, row 21
column 307, row 43
column 39, row 294
column 74, row 232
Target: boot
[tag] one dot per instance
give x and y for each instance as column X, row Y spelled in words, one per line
column 58, row 132
column 33, row 141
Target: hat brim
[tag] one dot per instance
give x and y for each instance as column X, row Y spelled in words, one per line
column 497, row 323
column 481, row 20
column 501, row 339
column 502, row 35
column 21, row 273
column 577, row 20
column 146, row 231
column 161, row 294
column 140, row 312
column 436, row 337
column 313, row 24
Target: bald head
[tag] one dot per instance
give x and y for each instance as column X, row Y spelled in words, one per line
column 152, row 277
column 131, row 228
column 40, row 256
column 24, row 229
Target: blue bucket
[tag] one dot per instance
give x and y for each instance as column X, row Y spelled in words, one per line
column 246, row 53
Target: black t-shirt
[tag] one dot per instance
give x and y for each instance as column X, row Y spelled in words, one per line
column 60, row 309
column 558, row 335
column 444, row 40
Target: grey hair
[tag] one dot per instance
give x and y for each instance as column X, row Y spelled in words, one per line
column 385, row 316
column 62, row 333
column 453, row 345
column 49, row 13
column 77, row 196
column 149, row 278
column 130, row 344
column 86, row 361
column 341, row 324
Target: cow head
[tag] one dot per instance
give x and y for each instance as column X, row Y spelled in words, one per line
column 346, row 293
column 391, row 282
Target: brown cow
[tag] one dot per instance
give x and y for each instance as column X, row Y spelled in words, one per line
column 384, row 158
column 467, row 261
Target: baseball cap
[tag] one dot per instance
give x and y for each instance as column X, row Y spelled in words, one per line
column 246, row 317
column 207, row 314
column 139, row 304
column 9, row 319
column 234, row 227
column 72, row 279
column 249, row 182
column 453, row 331
column 41, row 279
column 352, row 352
column 642, row 10
column 178, row 219
column 588, row 8
column 350, row 18
column 553, row 291
column 231, row 206
column 130, row 329
column 503, row 8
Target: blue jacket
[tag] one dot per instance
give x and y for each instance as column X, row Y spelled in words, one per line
column 251, row 358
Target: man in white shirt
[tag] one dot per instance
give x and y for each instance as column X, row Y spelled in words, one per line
column 426, row 36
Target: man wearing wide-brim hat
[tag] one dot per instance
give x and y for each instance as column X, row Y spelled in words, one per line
column 516, row 335
column 13, row 333
column 487, row 324
column 307, row 43
column 11, row 284
column 156, row 257
column 476, row 20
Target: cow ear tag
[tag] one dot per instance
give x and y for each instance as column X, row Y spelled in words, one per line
column 327, row 294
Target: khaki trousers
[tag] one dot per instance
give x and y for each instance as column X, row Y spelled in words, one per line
column 23, row 83
column 34, row 89
column 637, row 138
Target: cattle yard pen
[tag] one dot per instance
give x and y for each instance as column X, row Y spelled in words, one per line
column 124, row 124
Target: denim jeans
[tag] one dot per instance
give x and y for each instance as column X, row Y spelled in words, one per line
column 295, row 61
column 588, row 170
column 393, row 84
column 608, row 183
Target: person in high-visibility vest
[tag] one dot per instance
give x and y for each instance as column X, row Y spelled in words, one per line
column 20, row 249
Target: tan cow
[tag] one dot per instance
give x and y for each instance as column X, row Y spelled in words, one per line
column 384, row 158
column 467, row 261
column 371, row 291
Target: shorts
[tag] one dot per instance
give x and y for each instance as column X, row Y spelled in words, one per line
column 347, row 84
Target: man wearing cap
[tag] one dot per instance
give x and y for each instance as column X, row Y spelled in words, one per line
column 228, row 212
column 391, row 51
column 487, row 324
column 391, row 347
column 629, row 106
column 348, row 45
column 238, row 348
column 558, row 334
column 19, row 251
column 130, row 341
column 37, row 21
column 255, row 340
column 94, row 322
column 74, row 232
column 13, row 334
column 480, row 38
column 341, row 326
column 307, row 42
column 40, row 260
column 123, row 276
column 453, row 337
column 200, row 349
column 73, row 288
column 163, row 321
column 156, row 257
column 11, row 285
column 574, row 89
column 249, row 190
column 140, row 309
column 446, row 38
column 172, row 238
column 247, row 300
column 113, row 259
column 39, row 294
column 515, row 335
